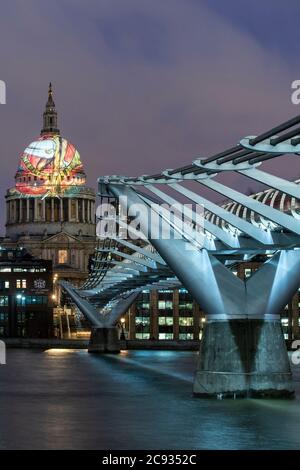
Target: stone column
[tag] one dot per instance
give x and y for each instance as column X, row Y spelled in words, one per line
column 61, row 214
column 52, row 209
column 88, row 211
column 27, row 210
column 44, row 210
column 69, row 209
column 77, row 210
column 12, row 211
column 35, row 210
column 83, row 210
column 92, row 211
column 20, row 211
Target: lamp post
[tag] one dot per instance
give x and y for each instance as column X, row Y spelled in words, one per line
column 122, row 337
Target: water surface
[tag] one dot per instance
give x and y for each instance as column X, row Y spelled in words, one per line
column 69, row 399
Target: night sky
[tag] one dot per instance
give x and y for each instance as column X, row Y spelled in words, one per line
column 143, row 85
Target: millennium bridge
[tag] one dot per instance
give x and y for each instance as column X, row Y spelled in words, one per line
column 161, row 231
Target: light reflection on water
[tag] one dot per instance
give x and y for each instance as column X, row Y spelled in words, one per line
column 61, row 351
column 139, row 399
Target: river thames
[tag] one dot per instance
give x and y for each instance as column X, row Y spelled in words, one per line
column 69, row 399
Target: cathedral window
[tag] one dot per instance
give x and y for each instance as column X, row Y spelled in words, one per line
column 62, row 256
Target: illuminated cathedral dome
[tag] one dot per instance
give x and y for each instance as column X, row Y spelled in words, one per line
column 50, row 165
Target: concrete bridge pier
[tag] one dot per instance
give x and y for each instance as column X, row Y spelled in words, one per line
column 104, row 340
column 244, row 353
column 242, row 358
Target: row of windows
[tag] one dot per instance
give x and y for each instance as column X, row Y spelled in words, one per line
column 183, row 321
column 165, row 305
column 32, row 299
column 162, row 336
column 20, row 284
column 21, row 317
column 22, row 270
column 25, row 300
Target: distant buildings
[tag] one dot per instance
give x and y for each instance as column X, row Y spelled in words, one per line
column 26, row 290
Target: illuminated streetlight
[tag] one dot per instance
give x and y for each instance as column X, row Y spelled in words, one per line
column 122, row 337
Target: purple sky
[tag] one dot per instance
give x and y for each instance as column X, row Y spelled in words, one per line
column 143, row 85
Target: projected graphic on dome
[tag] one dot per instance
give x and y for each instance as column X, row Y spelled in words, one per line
column 49, row 165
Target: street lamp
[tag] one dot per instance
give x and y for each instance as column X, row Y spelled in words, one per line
column 122, row 337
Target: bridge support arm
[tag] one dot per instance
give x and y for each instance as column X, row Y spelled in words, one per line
column 104, row 335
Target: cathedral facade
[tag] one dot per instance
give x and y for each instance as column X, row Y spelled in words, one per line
column 50, row 211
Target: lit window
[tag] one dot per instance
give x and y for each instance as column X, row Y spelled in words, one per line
column 18, row 283
column 165, row 321
column 165, row 304
column 6, row 285
column 142, row 336
column 185, row 336
column 62, row 256
column 186, row 321
column 142, row 325
column 142, row 321
column 185, row 305
column 24, row 283
column 3, row 300
column 165, row 336
column 21, row 299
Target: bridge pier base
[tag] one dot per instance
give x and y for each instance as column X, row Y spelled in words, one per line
column 104, row 340
column 243, row 358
